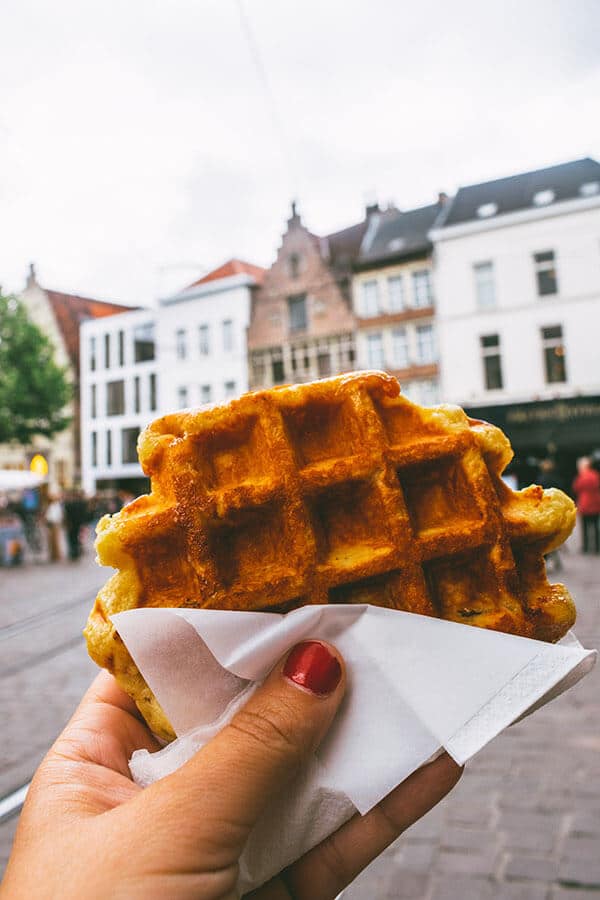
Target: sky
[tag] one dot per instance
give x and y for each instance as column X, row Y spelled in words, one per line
column 143, row 142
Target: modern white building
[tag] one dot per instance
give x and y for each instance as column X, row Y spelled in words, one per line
column 142, row 364
column 517, row 283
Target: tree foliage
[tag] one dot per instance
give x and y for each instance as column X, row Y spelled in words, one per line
column 34, row 390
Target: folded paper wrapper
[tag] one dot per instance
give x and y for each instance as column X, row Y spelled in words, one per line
column 415, row 685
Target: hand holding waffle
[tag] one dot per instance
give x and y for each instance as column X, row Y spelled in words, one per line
column 340, row 491
column 182, row 837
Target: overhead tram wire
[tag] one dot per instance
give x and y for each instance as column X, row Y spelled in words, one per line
column 269, row 98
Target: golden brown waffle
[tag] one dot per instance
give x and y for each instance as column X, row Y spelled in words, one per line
column 339, row 491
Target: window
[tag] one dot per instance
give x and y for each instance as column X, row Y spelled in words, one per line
column 227, row 335
column 324, row 364
column 277, row 372
column 129, row 438
column 152, row 385
column 485, row 288
column 545, row 271
column 115, row 398
column 137, row 403
column 109, row 448
column 428, row 390
column 93, row 354
column 400, row 348
column 425, row 344
column 93, row 405
column 143, row 342
column 486, row 210
column 121, row 348
column 543, row 198
column 294, row 265
column 422, row 288
column 94, row 449
column 203, row 340
column 182, row 397
column 229, row 389
column 492, row 361
column 375, row 358
column 297, row 312
column 554, row 354
column 107, row 351
column 205, row 393
column 369, row 298
column 396, row 293
column 181, row 343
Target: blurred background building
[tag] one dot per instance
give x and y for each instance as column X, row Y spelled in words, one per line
column 189, row 350
column 394, row 299
column 302, row 326
column 59, row 316
column 517, row 280
column 489, row 299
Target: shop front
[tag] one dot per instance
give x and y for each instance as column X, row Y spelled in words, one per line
column 561, row 429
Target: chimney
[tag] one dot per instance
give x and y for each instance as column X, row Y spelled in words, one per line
column 442, row 198
column 31, row 279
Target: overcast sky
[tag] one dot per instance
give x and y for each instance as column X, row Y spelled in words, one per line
column 137, row 137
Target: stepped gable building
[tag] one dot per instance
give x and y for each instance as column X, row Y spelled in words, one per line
column 518, row 309
column 59, row 316
column 393, row 299
column 302, row 324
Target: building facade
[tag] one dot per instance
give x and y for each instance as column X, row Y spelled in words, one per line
column 59, row 316
column 302, row 324
column 517, row 278
column 188, row 351
column 394, row 302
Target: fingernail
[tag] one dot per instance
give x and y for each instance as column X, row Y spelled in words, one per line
column 312, row 666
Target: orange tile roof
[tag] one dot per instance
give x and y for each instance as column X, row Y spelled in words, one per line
column 70, row 310
column 229, row 268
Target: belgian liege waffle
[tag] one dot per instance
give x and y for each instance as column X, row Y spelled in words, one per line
column 339, row 491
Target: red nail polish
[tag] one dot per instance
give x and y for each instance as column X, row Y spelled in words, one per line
column 312, row 666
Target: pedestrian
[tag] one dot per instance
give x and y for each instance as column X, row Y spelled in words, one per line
column 586, row 488
column 548, row 477
column 76, row 515
column 54, row 520
column 87, row 830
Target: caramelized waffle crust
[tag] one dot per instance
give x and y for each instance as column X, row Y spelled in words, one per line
column 339, row 491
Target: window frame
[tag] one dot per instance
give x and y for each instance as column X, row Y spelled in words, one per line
column 489, row 352
column 116, row 387
column 399, row 281
column 181, row 343
column 420, row 277
column 367, row 309
column 204, row 339
column 297, row 302
column 426, row 328
column 404, row 362
column 227, row 336
column 372, row 337
column 552, row 343
column 545, row 267
column 483, row 284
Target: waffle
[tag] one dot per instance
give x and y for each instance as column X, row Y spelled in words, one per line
column 339, row 491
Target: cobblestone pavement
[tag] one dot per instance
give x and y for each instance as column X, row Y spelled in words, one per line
column 44, row 667
column 523, row 823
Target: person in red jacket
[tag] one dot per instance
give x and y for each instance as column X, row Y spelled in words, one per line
column 587, row 491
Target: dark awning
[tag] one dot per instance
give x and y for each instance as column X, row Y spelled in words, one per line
column 572, row 423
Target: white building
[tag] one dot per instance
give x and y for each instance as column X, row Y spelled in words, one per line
column 139, row 365
column 517, row 280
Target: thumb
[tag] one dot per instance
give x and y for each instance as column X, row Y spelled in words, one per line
column 221, row 792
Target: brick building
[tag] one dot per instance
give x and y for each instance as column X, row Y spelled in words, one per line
column 302, row 324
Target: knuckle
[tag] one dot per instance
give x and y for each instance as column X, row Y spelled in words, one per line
column 270, row 729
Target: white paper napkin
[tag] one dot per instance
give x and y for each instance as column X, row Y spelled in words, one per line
column 415, row 685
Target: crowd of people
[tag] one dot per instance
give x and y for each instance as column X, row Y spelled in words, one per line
column 54, row 526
